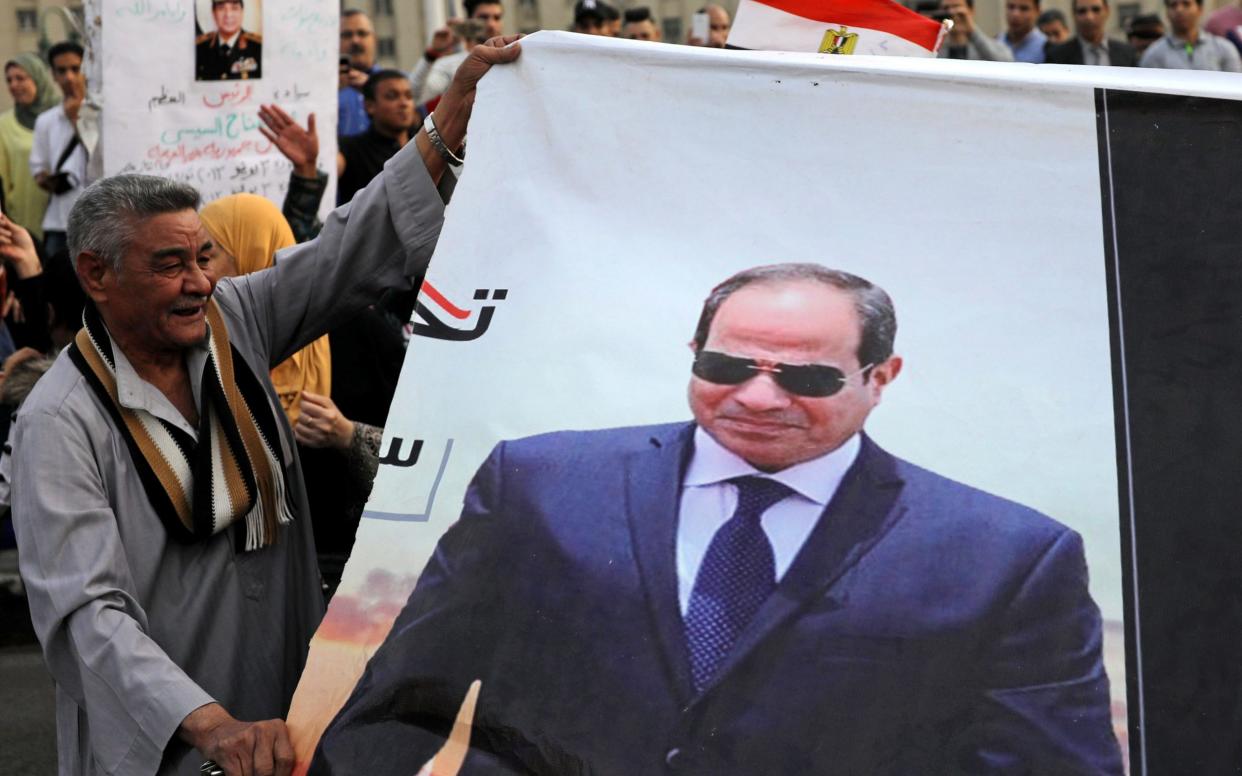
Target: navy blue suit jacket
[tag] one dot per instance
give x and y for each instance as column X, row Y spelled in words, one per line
column 924, row 628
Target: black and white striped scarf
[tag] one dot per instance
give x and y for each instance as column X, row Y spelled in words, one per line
column 235, row 468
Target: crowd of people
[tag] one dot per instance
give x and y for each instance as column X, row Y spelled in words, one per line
column 330, row 355
column 1187, row 43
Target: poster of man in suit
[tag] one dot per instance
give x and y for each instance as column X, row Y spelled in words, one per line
column 741, row 471
column 229, row 43
column 762, row 589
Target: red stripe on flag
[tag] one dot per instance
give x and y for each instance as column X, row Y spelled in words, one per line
column 881, row 15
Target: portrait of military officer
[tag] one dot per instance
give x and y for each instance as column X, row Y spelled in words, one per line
column 228, row 53
column 762, row 589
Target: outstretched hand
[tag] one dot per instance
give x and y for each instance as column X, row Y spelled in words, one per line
column 300, row 146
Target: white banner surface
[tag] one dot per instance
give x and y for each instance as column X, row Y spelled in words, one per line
column 611, row 185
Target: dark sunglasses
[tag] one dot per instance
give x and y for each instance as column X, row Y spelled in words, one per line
column 811, row 380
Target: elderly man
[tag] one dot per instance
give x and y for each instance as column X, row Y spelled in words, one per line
column 761, row 591
column 160, row 509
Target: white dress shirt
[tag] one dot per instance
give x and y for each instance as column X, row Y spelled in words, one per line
column 708, row 501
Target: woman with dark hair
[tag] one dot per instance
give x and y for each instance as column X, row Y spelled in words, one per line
column 33, row 90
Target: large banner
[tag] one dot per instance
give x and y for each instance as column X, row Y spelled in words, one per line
column 180, row 83
column 951, row 590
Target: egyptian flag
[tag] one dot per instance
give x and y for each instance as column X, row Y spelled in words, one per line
column 878, row 27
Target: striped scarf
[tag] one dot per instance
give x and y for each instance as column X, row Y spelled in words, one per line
column 234, row 469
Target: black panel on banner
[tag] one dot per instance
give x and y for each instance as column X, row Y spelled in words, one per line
column 1171, row 176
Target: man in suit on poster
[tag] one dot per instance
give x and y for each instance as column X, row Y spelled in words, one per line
column 761, row 591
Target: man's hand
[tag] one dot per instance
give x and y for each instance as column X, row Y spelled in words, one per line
column 73, row 101
column 300, row 146
column 442, row 41
column 356, row 78
column 17, row 247
column 240, row 748
column 321, row 424
column 963, row 20
column 453, row 112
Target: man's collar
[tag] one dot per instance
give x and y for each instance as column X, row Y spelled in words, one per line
column 816, row 479
column 1180, row 43
column 231, row 41
column 1033, row 34
column 135, row 393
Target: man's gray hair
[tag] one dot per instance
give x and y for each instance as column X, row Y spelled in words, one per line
column 875, row 308
column 104, row 218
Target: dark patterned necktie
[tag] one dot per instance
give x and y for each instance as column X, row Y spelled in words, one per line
column 737, row 575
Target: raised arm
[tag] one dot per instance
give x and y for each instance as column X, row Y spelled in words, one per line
column 380, row 240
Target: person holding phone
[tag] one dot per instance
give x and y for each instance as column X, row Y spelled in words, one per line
column 357, row 65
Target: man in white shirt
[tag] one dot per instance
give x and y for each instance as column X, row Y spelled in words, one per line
column 57, row 157
column 761, row 591
column 1187, row 47
column 433, row 73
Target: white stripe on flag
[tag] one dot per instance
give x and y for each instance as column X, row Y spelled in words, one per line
column 761, row 27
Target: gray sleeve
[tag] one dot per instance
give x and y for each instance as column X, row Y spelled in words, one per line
column 378, row 241
column 989, row 49
column 83, row 601
column 1151, row 57
column 1230, row 61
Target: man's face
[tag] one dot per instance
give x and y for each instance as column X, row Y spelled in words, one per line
column 644, row 30
column 718, row 26
column 1091, row 16
column 67, row 70
column 589, row 25
column 611, row 28
column 959, row 11
column 1055, row 30
column 492, row 15
column 1020, row 15
column 800, row 322
column 228, row 16
column 1183, row 16
column 157, row 301
column 392, row 110
column 1140, row 39
column 358, row 41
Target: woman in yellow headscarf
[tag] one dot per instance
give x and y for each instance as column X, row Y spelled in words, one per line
column 248, row 230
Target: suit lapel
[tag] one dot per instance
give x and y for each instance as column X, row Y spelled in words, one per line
column 863, row 509
column 653, row 495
